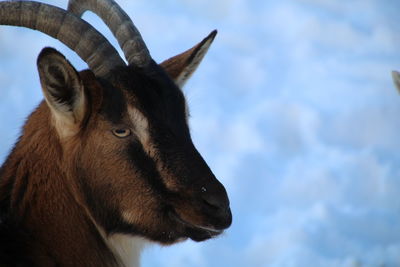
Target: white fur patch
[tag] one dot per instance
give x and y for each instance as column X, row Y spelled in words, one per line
column 127, row 248
column 141, row 125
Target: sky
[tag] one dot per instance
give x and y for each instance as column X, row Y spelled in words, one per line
column 294, row 110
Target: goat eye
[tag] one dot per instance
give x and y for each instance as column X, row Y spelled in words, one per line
column 121, row 132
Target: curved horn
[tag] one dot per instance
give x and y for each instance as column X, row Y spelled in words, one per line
column 74, row 32
column 122, row 27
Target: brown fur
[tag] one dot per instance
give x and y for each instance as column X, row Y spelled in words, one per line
column 70, row 183
column 44, row 202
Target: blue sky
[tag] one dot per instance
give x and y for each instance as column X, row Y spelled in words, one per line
column 294, row 110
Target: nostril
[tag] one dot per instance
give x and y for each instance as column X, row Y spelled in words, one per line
column 210, row 205
column 214, row 196
column 214, row 202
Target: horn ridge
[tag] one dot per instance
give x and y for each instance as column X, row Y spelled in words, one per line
column 122, row 27
column 67, row 28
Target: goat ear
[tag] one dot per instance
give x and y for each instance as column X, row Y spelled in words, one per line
column 182, row 66
column 63, row 91
column 396, row 79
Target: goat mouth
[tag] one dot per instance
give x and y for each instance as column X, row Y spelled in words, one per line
column 196, row 232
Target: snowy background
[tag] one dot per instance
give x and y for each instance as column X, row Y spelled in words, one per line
column 294, row 110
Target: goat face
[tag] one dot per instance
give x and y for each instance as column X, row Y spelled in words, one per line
column 126, row 140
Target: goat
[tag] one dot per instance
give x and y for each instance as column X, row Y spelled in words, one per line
column 106, row 161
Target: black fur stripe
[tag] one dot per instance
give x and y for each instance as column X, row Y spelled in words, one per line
column 146, row 167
